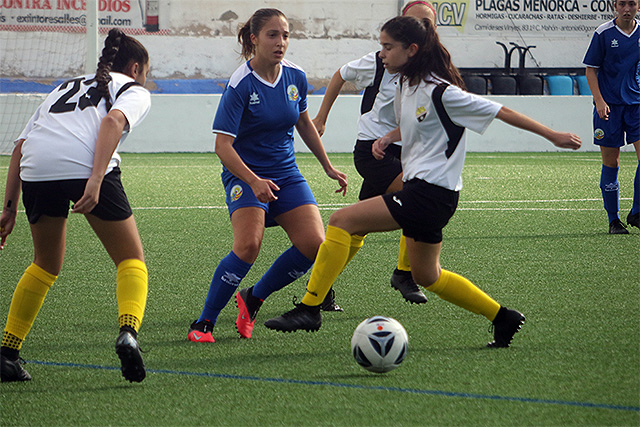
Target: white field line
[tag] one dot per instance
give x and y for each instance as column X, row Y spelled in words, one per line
column 463, row 205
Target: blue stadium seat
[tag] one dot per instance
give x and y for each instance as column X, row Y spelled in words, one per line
column 583, row 86
column 559, row 85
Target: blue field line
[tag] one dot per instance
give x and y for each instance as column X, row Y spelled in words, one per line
column 355, row 386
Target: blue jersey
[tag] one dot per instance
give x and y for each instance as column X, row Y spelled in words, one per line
column 261, row 117
column 617, row 57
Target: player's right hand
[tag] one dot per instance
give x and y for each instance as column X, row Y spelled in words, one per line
column 263, row 190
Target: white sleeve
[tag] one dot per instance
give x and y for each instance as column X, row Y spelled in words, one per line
column 134, row 103
column 469, row 110
column 361, row 72
column 397, row 103
column 29, row 125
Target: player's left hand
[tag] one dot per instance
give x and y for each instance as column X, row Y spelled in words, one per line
column 379, row 146
column 89, row 199
column 341, row 178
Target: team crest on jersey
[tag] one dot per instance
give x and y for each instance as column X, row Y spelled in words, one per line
column 614, row 43
column 292, row 92
column 598, row 134
column 236, row 193
column 254, row 99
column 421, row 113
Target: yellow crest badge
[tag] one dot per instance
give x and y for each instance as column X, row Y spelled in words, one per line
column 292, row 93
column 421, row 113
column 598, row 134
column 236, row 193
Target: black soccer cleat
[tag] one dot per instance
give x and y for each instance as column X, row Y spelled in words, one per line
column 128, row 351
column 403, row 282
column 329, row 303
column 633, row 220
column 303, row 317
column 617, row 227
column 12, row 370
column 505, row 326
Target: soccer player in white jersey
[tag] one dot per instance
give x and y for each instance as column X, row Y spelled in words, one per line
column 376, row 120
column 613, row 74
column 265, row 99
column 67, row 153
column 433, row 113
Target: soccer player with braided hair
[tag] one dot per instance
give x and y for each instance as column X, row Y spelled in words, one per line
column 67, row 153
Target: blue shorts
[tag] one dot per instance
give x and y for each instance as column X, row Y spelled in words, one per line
column 623, row 119
column 294, row 192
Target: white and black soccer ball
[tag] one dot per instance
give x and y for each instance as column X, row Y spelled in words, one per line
column 379, row 344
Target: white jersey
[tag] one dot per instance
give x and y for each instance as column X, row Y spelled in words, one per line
column 380, row 118
column 433, row 119
column 60, row 137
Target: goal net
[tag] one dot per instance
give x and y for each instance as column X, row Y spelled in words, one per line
column 44, row 42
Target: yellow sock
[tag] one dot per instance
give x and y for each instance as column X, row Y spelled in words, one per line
column 131, row 291
column 403, row 255
column 25, row 304
column 457, row 290
column 330, row 261
column 355, row 245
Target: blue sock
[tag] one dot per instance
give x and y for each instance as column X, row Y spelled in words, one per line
column 226, row 279
column 635, row 206
column 610, row 193
column 287, row 268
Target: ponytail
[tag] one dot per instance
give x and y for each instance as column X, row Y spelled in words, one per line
column 253, row 26
column 432, row 57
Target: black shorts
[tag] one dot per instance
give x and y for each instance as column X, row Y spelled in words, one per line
column 378, row 174
column 52, row 198
column 422, row 209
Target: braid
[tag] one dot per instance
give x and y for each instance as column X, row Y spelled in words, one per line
column 111, row 48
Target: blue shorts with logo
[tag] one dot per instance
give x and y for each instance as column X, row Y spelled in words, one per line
column 623, row 119
column 294, row 191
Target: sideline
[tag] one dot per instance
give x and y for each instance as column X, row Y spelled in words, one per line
column 355, row 386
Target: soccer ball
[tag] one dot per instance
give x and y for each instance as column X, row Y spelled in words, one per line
column 379, row 344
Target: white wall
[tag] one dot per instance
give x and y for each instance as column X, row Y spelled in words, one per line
column 183, row 123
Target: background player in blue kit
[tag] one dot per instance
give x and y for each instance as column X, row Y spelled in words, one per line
column 613, row 74
column 433, row 113
column 265, row 98
column 376, row 120
column 67, row 152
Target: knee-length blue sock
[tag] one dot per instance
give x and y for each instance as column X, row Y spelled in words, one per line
column 635, row 207
column 610, row 192
column 226, row 279
column 287, row 268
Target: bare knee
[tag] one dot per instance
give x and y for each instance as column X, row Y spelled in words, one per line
column 425, row 277
column 247, row 249
column 340, row 219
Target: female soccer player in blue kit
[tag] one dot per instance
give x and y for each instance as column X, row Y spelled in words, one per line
column 265, row 98
column 67, row 152
column 613, row 74
column 433, row 114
